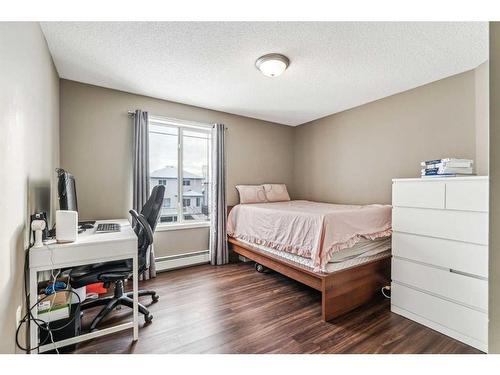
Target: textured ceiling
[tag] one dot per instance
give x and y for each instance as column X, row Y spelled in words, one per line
column 334, row 65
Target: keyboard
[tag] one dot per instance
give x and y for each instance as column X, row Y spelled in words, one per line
column 107, row 227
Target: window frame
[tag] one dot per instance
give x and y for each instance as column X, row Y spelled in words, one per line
column 182, row 125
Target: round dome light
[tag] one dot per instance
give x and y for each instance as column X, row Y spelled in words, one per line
column 272, row 65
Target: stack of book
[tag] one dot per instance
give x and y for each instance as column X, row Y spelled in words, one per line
column 448, row 167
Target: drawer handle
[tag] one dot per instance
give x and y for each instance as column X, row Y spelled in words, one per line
column 467, row 274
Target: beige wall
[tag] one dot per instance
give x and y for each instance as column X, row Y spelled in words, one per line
column 181, row 241
column 29, row 152
column 96, row 146
column 494, row 242
column 351, row 157
column 482, row 113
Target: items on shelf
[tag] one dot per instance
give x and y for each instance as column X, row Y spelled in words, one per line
column 448, row 167
column 58, row 310
column 55, row 307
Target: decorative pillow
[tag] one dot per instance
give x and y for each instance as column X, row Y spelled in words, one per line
column 251, row 194
column 276, row 192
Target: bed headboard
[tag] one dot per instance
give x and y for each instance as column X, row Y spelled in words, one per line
column 229, row 208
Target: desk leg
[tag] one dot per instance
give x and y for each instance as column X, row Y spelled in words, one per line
column 33, row 282
column 135, row 271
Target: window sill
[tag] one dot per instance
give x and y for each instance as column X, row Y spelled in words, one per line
column 161, row 227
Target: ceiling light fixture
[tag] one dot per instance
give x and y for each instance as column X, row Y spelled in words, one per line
column 272, row 65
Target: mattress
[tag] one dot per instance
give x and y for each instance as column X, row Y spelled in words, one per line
column 312, row 230
column 362, row 252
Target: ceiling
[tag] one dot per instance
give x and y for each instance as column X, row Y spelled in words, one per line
column 334, row 65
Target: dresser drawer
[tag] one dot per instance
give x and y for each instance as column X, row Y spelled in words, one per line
column 467, row 195
column 423, row 194
column 451, row 316
column 455, row 255
column 464, row 226
column 465, row 289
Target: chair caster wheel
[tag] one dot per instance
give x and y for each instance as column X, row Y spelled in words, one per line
column 148, row 318
column 155, row 298
column 259, row 268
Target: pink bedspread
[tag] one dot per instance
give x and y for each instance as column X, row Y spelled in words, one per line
column 310, row 229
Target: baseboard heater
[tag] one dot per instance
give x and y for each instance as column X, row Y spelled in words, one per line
column 181, row 260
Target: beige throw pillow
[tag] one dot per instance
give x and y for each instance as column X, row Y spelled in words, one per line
column 276, row 192
column 251, row 194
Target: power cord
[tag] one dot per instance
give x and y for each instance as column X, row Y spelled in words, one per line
column 54, row 279
column 384, row 288
column 28, row 318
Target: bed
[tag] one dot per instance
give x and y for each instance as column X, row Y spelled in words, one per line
column 343, row 251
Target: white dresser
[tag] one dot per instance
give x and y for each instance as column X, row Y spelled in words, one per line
column 440, row 255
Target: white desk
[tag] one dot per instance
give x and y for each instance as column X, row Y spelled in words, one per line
column 90, row 248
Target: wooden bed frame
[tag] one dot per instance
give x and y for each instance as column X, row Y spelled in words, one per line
column 341, row 291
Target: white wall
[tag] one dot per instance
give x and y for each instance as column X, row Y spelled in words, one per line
column 29, row 152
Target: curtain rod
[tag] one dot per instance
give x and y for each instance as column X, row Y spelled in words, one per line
column 132, row 113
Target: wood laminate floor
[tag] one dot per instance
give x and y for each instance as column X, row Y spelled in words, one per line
column 234, row 309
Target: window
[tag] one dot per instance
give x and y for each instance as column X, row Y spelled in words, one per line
column 180, row 153
column 168, row 219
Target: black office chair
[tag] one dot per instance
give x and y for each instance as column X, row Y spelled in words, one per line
column 118, row 271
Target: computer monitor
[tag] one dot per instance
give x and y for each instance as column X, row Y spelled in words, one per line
column 66, row 189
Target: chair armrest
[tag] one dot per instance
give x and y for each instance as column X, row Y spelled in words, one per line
column 141, row 220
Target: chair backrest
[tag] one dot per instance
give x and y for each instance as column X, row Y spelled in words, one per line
column 145, row 224
column 151, row 209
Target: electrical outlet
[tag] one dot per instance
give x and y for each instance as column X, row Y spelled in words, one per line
column 18, row 315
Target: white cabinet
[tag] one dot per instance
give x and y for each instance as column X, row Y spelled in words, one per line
column 467, row 195
column 426, row 195
column 466, row 226
column 469, row 291
column 454, row 255
column 440, row 255
column 453, row 319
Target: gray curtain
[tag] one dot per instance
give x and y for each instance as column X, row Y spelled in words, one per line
column 141, row 175
column 218, row 240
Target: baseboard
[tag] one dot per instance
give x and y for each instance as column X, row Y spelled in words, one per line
column 181, row 260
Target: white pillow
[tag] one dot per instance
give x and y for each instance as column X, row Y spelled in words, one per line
column 276, row 192
column 251, row 194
